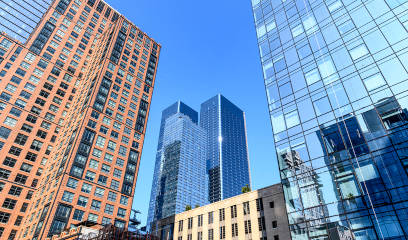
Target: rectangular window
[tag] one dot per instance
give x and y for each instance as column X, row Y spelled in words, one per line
column 67, row 196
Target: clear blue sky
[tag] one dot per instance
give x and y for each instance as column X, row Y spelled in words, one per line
column 208, row 47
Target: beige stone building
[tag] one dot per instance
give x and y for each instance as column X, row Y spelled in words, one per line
column 259, row 214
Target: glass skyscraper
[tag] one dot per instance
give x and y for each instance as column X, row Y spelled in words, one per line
column 18, row 18
column 180, row 170
column 336, row 80
column 227, row 151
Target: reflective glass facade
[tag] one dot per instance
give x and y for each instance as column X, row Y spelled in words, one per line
column 18, row 18
column 180, row 170
column 227, row 156
column 336, row 80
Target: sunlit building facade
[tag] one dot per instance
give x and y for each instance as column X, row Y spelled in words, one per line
column 227, row 150
column 74, row 101
column 336, row 80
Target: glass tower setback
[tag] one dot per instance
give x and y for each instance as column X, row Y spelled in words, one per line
column 18, row 18
column 180, row 170
column 336, row 81
column 227, row 152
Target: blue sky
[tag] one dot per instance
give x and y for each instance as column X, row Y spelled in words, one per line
column 208, row 47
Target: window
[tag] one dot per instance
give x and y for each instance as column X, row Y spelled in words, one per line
column 274, row 224
column 93, row 164
column 111, row 146
column 234, row 211
column 100, row 141
column 4, row 132
column 36, row 145
column 15, row 191
column 72, row 183
column 247, row 225
column 210, row 234
column 246, row 208
column 90, row 175
column 108, row 157
column 200, row 220
column 124, row 200
column 96, row 205
column 106, row 221
column 190, row 223
column 15, row 151
column 117, row 173
column 26, row 167
column 102, row 180
column 93, row 217
column 4, row 217
column 272, row 204
column 261, row 224
column 8, row 161
column 24, row 207
column 9, row 203
column 20, row 178
column 67, row 196
column 121, row 212
column 222, row 214
column 86, row 188
column 222, row 232
column 112, row 196
column 259, row 204
column 276, row 237
column 210, row 217
column 234, row 229
column 115, row 184
column 10, row 121
column 29, row 195
column 105, row 168
column 180, row 226
column 82, row 201
column 18, row 220
column 109, row 209
column 78, row 215
column 99, row 192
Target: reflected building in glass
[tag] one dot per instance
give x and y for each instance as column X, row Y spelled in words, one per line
column 336, row 80
column 227, row 156
column 180, row 170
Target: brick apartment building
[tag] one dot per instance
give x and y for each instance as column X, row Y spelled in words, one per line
column 74, row 101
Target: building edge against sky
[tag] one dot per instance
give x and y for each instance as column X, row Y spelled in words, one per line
column 180, row 170
column 74, row 100
column 336, row 81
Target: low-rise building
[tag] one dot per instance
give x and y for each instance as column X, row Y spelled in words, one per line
column 260, row 214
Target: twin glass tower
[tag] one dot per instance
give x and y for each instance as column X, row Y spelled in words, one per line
column 198, row 163
column 336, row 79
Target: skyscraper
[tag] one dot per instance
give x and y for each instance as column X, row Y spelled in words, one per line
column 335, row 75
column 180, row 171
column 227, row 151
column 74, row 101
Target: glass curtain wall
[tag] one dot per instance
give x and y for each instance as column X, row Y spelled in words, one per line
column 336, row 82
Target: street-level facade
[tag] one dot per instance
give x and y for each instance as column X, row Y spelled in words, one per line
column 74, row 102
column 336, row 80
